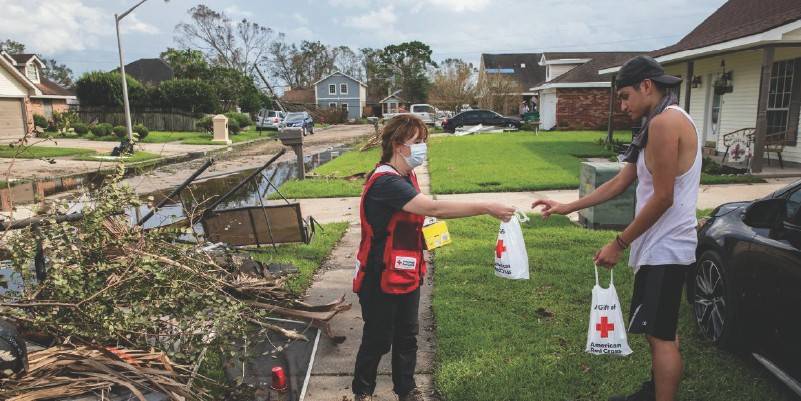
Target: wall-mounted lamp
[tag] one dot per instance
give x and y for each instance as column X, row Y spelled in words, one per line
column 723, row 84
column 696, row 82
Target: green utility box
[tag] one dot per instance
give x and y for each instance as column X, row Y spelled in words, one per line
column 614, row 214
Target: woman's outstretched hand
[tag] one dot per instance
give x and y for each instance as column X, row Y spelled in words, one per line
column 500, row 211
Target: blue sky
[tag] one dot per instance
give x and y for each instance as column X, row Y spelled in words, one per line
column 80, row 33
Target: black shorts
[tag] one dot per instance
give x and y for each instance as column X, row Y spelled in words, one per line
column 656, row 300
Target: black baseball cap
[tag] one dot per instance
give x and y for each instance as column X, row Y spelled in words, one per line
column 640, row 68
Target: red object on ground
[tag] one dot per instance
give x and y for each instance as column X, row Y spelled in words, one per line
column 279, row 379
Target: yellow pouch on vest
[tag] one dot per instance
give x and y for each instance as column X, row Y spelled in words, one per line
column 436, row 235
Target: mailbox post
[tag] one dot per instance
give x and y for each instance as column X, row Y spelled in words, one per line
column 293, row 136
column 220, row 127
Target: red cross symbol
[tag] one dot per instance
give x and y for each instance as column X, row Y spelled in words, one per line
column 499, row 248
column 604, row 327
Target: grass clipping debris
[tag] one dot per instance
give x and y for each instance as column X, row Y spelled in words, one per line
column 110, row 284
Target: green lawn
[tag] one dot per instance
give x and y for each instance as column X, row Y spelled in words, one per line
column 522, row 161
column 36, row 152
column 307, row 258
column 497, row 339
column 331, row 182
column 518, row 161
column 189, row 137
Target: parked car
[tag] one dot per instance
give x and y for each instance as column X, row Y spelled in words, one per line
column 745, row 289
column 299, row 119
column 476, row 117
column 426, row 112
column 269, row 119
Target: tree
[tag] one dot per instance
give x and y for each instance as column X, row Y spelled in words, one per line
column 301, row 66
column 58, row 73
column 12, row 46
column 377, row 86
column 453, row 84
column 407, row 64
column 233, row 45
column 103, row 89
column 192, row 95
column 186, row 63
column 348, row 62
column 498, row 92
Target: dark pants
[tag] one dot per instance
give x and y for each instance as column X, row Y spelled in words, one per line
column 390, row 321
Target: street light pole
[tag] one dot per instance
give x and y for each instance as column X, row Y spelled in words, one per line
column 117, row 19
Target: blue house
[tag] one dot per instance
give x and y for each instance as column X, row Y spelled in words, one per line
column 339, row 90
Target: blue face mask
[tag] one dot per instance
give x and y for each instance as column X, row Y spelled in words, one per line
column 417, row 156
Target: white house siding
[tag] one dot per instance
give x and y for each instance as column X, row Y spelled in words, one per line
column 555, row 70
column 10, row 85
column 738, row 108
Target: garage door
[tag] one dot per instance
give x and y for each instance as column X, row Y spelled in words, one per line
column 11, row 123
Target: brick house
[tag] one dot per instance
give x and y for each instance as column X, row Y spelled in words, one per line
column 743, row 74
column 575, row 96
column 25, row 91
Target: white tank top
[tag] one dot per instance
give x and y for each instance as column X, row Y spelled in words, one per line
column 673, row 239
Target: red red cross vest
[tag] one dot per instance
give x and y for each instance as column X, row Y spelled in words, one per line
column 404, row 266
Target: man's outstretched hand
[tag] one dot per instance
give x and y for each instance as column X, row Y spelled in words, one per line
column 550, row 207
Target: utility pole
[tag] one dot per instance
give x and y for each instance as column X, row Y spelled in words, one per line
column 270, row 88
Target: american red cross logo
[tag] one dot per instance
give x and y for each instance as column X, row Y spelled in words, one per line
column 604, row 327
column 499, row 248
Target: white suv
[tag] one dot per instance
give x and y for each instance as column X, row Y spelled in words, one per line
column 269, row 119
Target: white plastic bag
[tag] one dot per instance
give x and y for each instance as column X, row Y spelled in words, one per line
column 607, row 332
column 511, row 258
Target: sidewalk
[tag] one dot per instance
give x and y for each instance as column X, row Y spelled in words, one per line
column 709, row 196
column 333, row 365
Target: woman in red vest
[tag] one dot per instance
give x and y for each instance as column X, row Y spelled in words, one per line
column 390, row 265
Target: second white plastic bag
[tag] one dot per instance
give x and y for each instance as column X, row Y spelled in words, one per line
column 607, row 332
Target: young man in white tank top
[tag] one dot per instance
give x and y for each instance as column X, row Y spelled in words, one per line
column 665, row 158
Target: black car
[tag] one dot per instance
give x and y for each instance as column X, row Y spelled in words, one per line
column 476, row 117
column 746, row 287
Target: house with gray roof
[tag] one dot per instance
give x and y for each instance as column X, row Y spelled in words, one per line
column 339, row 90
column 523, row 68
column 574, row 95
column 726, row 90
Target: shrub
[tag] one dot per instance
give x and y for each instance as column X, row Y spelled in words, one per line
column 80, row 128
column 104, row 89
column 120, row 131
column 40, row 121
column 204, row 124
column 188, row 94
column 243, row 119
column 233, row 127
column 330, row 116
column 102, row 129
column 62, row 121
column 141, row 131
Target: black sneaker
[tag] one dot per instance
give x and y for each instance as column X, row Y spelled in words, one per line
column 646, row 392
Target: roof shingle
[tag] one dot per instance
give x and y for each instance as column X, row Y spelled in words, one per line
column 528, row 76
column 736, row 19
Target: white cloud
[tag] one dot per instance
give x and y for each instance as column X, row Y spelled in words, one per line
column 133, row 24
column 460, row 5
column 49, row 27
column 300, row 19
column 375, row 20
column 235, row 11
column 349, row 3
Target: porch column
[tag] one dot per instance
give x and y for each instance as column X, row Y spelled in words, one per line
column 610, row 129
column 762, row 108
column 688, row 85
